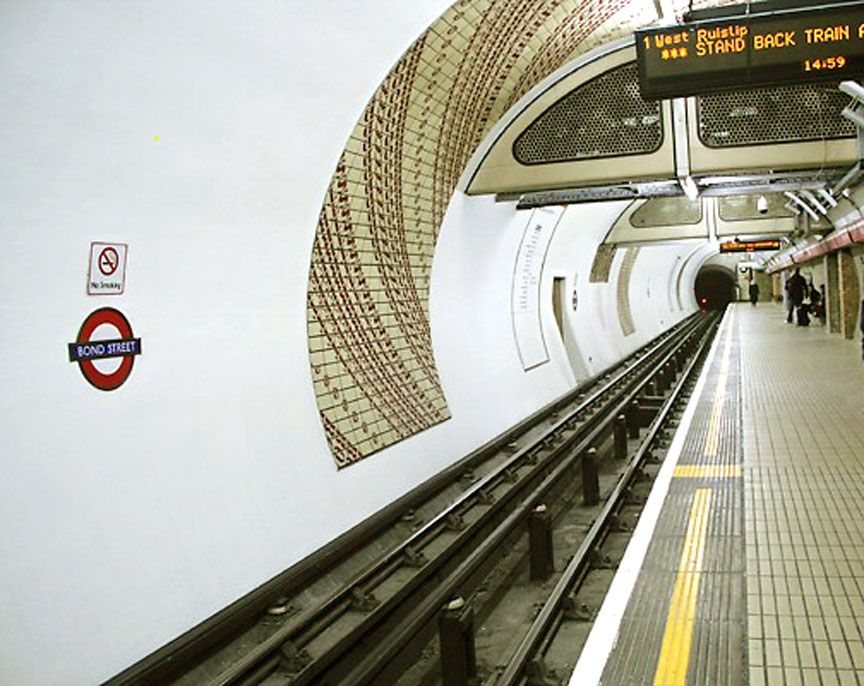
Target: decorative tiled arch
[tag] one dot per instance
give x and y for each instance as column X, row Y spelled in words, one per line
column 370, row 347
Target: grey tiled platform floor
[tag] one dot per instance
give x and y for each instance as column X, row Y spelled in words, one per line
column 799, row 394
column 717, row 644
column 803, row 419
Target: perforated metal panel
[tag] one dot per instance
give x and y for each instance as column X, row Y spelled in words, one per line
column 776, row 114
column 604, row 117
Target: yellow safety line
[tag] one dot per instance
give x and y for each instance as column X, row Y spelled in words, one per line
column 675, row 650
column 707, row 471
column 712, row 441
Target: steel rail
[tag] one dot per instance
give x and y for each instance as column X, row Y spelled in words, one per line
column 541, row 632
column 187, row 655
column 306, row 626
column 382, row 653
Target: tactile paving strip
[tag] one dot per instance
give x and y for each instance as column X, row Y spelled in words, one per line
column 712, row 649
column 803, row 404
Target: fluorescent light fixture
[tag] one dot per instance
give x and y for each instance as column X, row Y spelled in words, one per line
column 820, row 208
column 828, row 197
column 854, row 116
column 853, row 89
column 803, row 205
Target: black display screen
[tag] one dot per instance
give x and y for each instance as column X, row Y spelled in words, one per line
column 749, row 246
column 793, row 45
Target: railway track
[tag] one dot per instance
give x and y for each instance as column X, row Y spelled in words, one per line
column 528, row 663
column 409, row 610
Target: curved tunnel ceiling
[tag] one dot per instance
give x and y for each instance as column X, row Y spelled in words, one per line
column 370, row 348
column 680, row 218
column 589, row 126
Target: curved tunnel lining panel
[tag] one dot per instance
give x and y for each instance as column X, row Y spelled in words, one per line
column 736, row 208
column 370, row 348
column 661, row 212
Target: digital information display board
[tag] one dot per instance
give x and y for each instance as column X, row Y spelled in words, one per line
column 749, row 246
column 793, row 45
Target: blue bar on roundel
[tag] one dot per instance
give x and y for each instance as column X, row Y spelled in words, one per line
column 98, row 350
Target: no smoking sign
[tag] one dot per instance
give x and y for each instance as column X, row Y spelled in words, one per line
column 107, row 273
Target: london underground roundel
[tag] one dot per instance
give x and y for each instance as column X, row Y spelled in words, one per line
column 88, row 351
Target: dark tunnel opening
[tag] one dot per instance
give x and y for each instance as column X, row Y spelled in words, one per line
column 715, row 288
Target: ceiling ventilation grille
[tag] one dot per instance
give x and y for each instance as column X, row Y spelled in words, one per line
column 779, row 114
column 604, row 117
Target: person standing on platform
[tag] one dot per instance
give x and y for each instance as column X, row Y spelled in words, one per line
column 796, row 288
column 754, row 293
column 817, row 305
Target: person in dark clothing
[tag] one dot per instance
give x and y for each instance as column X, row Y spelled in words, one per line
column 796, row 289
column 817, row 304
column 754, row 293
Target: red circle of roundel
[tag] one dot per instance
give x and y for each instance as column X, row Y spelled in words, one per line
column 106, row 382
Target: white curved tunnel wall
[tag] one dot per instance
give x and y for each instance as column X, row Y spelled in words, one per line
column 594, row 330
column 655, row 307
column 588, row 327
column 133, row 515
column 128, row 517
column 472, row 329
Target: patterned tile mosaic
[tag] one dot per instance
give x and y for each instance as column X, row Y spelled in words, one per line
column 625, row 314
column 370, row 346
column 602, row 265
column 369, row 339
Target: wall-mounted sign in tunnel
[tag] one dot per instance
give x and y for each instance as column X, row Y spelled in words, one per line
column 749, row 246
column 525, row 289
column 93, row 351
column 107, row 272
column 759, row 48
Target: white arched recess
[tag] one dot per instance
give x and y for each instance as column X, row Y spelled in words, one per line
column 596, row 323
column 470, row 306
column 203, row 135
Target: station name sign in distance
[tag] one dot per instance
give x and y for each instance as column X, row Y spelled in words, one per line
column 792, row 45
column 749, row 246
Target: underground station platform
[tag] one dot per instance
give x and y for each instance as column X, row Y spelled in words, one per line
column 747, row 565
